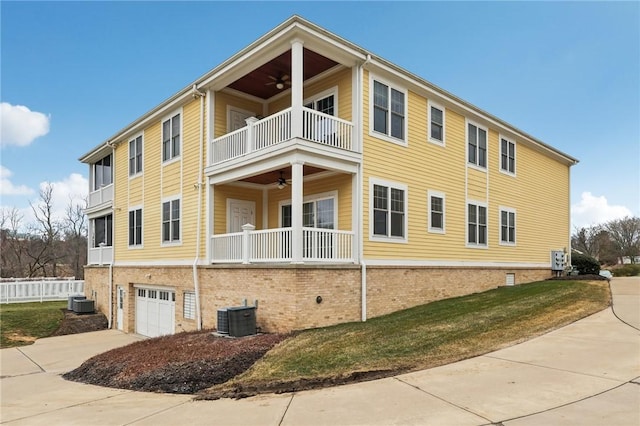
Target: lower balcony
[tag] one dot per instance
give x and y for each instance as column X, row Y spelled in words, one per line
column 276, row 246
column 100, row 255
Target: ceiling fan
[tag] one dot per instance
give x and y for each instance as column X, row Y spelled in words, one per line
column 280, row 82
column 282, row 182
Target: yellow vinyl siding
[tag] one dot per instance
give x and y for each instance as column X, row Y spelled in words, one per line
column 222, row 193
column 539, row 192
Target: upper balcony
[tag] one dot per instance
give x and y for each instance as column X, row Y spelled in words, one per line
column 261, row 134
column 102, row 195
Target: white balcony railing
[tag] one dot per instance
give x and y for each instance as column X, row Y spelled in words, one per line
column 277, row 128
column 100, row 255
column 274, row 245
column 102, row 195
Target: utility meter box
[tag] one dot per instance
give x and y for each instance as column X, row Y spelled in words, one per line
column 557, row 260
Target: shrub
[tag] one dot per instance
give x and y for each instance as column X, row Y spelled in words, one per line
column 627, row 271
column 586, row 265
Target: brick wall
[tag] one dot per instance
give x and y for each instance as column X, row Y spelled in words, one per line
column 287, row 294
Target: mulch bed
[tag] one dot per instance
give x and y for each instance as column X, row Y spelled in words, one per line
column 80, row 323
column 183, row 363
column 578, row 278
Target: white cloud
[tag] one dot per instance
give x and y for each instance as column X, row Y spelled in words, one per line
column 74, row 187
column 592, row 210
column 20, row 126
column 8, row 188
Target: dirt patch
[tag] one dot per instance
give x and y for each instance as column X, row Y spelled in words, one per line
column 17, row 337
column 80, row 323
column 183, row 363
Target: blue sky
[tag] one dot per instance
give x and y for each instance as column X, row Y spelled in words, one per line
column 567, row 73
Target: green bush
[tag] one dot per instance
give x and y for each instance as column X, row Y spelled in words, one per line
column 627, row 271
column 586, row 265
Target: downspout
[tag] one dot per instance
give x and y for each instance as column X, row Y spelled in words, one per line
column 110, row 322
column 363, row 265
column 196, row 283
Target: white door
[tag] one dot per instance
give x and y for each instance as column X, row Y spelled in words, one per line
column 240, row 213
column 155, row 312
column 120, row 307
column 237, row 119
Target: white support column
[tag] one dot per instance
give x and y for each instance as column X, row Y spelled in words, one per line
column 296, row 211
column 297, row 95
column 246, row 243
column 355, row 216
column 265, row 209
column 251, row 136
column 210, row 100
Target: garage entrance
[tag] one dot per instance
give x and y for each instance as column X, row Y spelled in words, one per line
column 155, row 311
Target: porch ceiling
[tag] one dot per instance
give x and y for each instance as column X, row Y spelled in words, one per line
column 256, row 82
column 273, row 176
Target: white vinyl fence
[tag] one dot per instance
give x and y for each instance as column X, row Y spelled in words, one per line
column 39, row 291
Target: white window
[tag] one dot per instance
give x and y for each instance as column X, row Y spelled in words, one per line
column 476, row 224
column 436, row 123
column 436, row 211
column 135, row 227
column 102, row 231
column 324, row 102
column 507, row 226
column 171, row 138
column 189, row 305
column 171, row 221
column 507, row 156
column 477, row 145
column 389, row 112
column 388, row 205
column 135, row 156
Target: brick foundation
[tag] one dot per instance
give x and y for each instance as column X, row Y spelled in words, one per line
column 287, row 295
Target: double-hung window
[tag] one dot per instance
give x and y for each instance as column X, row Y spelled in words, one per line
column 135, row 227
column 477, row 224
column 171, row 138
column 135, row 156
column 477, row 144
column 171, row 221
column 507, row 226
column 389, row 111
column 389, row 209
column 436, row 123
column 507, row 156
column 436, row 212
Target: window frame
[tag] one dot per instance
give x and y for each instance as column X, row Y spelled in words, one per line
column 388, row 238
column 137, row 172
column 172, row 155
column 477, row 205
column 476, row 164
column 514, row 225
column 502, row 154
column 313, row 198
column 139, row 245
column 430, row 105
column 100, row 164
column 314, row 99
column 387, row 136
column 171, row 221
column 108, row 231
column 430, row 228
column 191, row 301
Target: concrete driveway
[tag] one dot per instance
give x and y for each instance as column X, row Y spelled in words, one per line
column 584, row 374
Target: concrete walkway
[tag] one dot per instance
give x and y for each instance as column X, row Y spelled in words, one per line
column 584, row 374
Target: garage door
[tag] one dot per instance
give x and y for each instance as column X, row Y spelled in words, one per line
column 155, row 311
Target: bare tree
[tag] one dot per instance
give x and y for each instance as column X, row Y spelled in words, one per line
column 587, row 240
column 75, row 236
column 45, row 236
column 12, row 243
column 625, row 234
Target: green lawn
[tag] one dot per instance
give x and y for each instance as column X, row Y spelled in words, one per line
column 429, row 335
column 22, row 323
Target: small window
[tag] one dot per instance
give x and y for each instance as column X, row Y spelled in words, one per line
column 389, row 111
column 507, row 156
column 164, row 295
column 102, row 173
column 171, row 221
column 171, row 138
column 389, row 211
column 135, row 227
column 189, row 305
column 477, row 225
column 135, row 156
column 436, row 212
column 477, row 144
column 153, row 294
column 142, row 292
column 507, row 226
column 436, row 123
